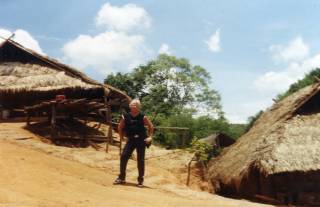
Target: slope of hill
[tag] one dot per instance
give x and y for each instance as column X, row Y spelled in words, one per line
column 34, row 173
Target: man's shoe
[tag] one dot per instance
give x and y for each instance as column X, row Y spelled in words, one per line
column 119, row 181
column 140, row 185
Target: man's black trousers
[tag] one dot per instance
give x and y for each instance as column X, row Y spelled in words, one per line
column 131, row 145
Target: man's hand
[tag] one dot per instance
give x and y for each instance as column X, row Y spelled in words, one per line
column 125, row 139
column 148, row 140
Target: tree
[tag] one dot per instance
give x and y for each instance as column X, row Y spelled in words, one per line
column 123, row 82
column 169, row 85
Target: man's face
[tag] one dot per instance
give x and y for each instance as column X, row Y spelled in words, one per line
column 134, row 108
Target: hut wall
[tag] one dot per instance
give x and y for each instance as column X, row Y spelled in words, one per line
column 288, row 188
column 297, row 187
column 250, row 184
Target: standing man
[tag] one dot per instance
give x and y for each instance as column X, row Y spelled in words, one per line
column 133, row 124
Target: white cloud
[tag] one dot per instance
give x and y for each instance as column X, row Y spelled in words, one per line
column 243, row 111
column 125, row 18
column 114, row 50
column 5, row 34
column 214, row 41
column 280, row 81
column 164, row 48
column 106, row 52
column 297, row 64
column 295, row 50
column 22, row 37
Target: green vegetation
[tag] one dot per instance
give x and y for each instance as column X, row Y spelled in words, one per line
column 202, row 126
column 202, row 151
column 236, row 130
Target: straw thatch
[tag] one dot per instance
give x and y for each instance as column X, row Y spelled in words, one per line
column 284, row 140
column 27, row 78
column 15, row 76
column 11, row 51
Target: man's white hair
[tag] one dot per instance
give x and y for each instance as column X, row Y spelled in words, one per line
column 135, row 102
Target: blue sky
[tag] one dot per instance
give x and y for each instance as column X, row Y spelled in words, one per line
column 253, row 49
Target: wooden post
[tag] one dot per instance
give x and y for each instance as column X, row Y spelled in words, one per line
column 109, row 138
column 53, row 121
column 108, row 122
column 28, row 118
column 84, row 133
column 189, row 169
column 183, row 139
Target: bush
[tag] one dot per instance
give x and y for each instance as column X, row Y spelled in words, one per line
column 203, row 151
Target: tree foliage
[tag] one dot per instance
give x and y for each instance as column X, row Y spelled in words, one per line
column 167, row 85
column 236, row 130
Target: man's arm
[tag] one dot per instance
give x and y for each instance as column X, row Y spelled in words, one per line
column 150, row 128
column 120, row 128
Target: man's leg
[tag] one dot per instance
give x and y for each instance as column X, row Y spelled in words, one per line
column 141, row 148
column 126, row 154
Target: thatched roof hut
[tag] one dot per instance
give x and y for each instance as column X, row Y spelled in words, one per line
column 279, row 157
column 218, row 140
column 27, row 78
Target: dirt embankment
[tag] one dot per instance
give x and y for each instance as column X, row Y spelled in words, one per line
column 34, row 173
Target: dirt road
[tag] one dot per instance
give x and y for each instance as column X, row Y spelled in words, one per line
column 37, row 174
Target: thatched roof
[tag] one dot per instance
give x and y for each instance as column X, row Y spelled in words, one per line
column 24, row 70
column 26, row 55
column 16, row 76
column 283, row 139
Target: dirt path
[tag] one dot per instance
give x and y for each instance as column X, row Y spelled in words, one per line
column 37, row 174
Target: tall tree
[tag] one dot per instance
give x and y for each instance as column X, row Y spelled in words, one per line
column 169, row 85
